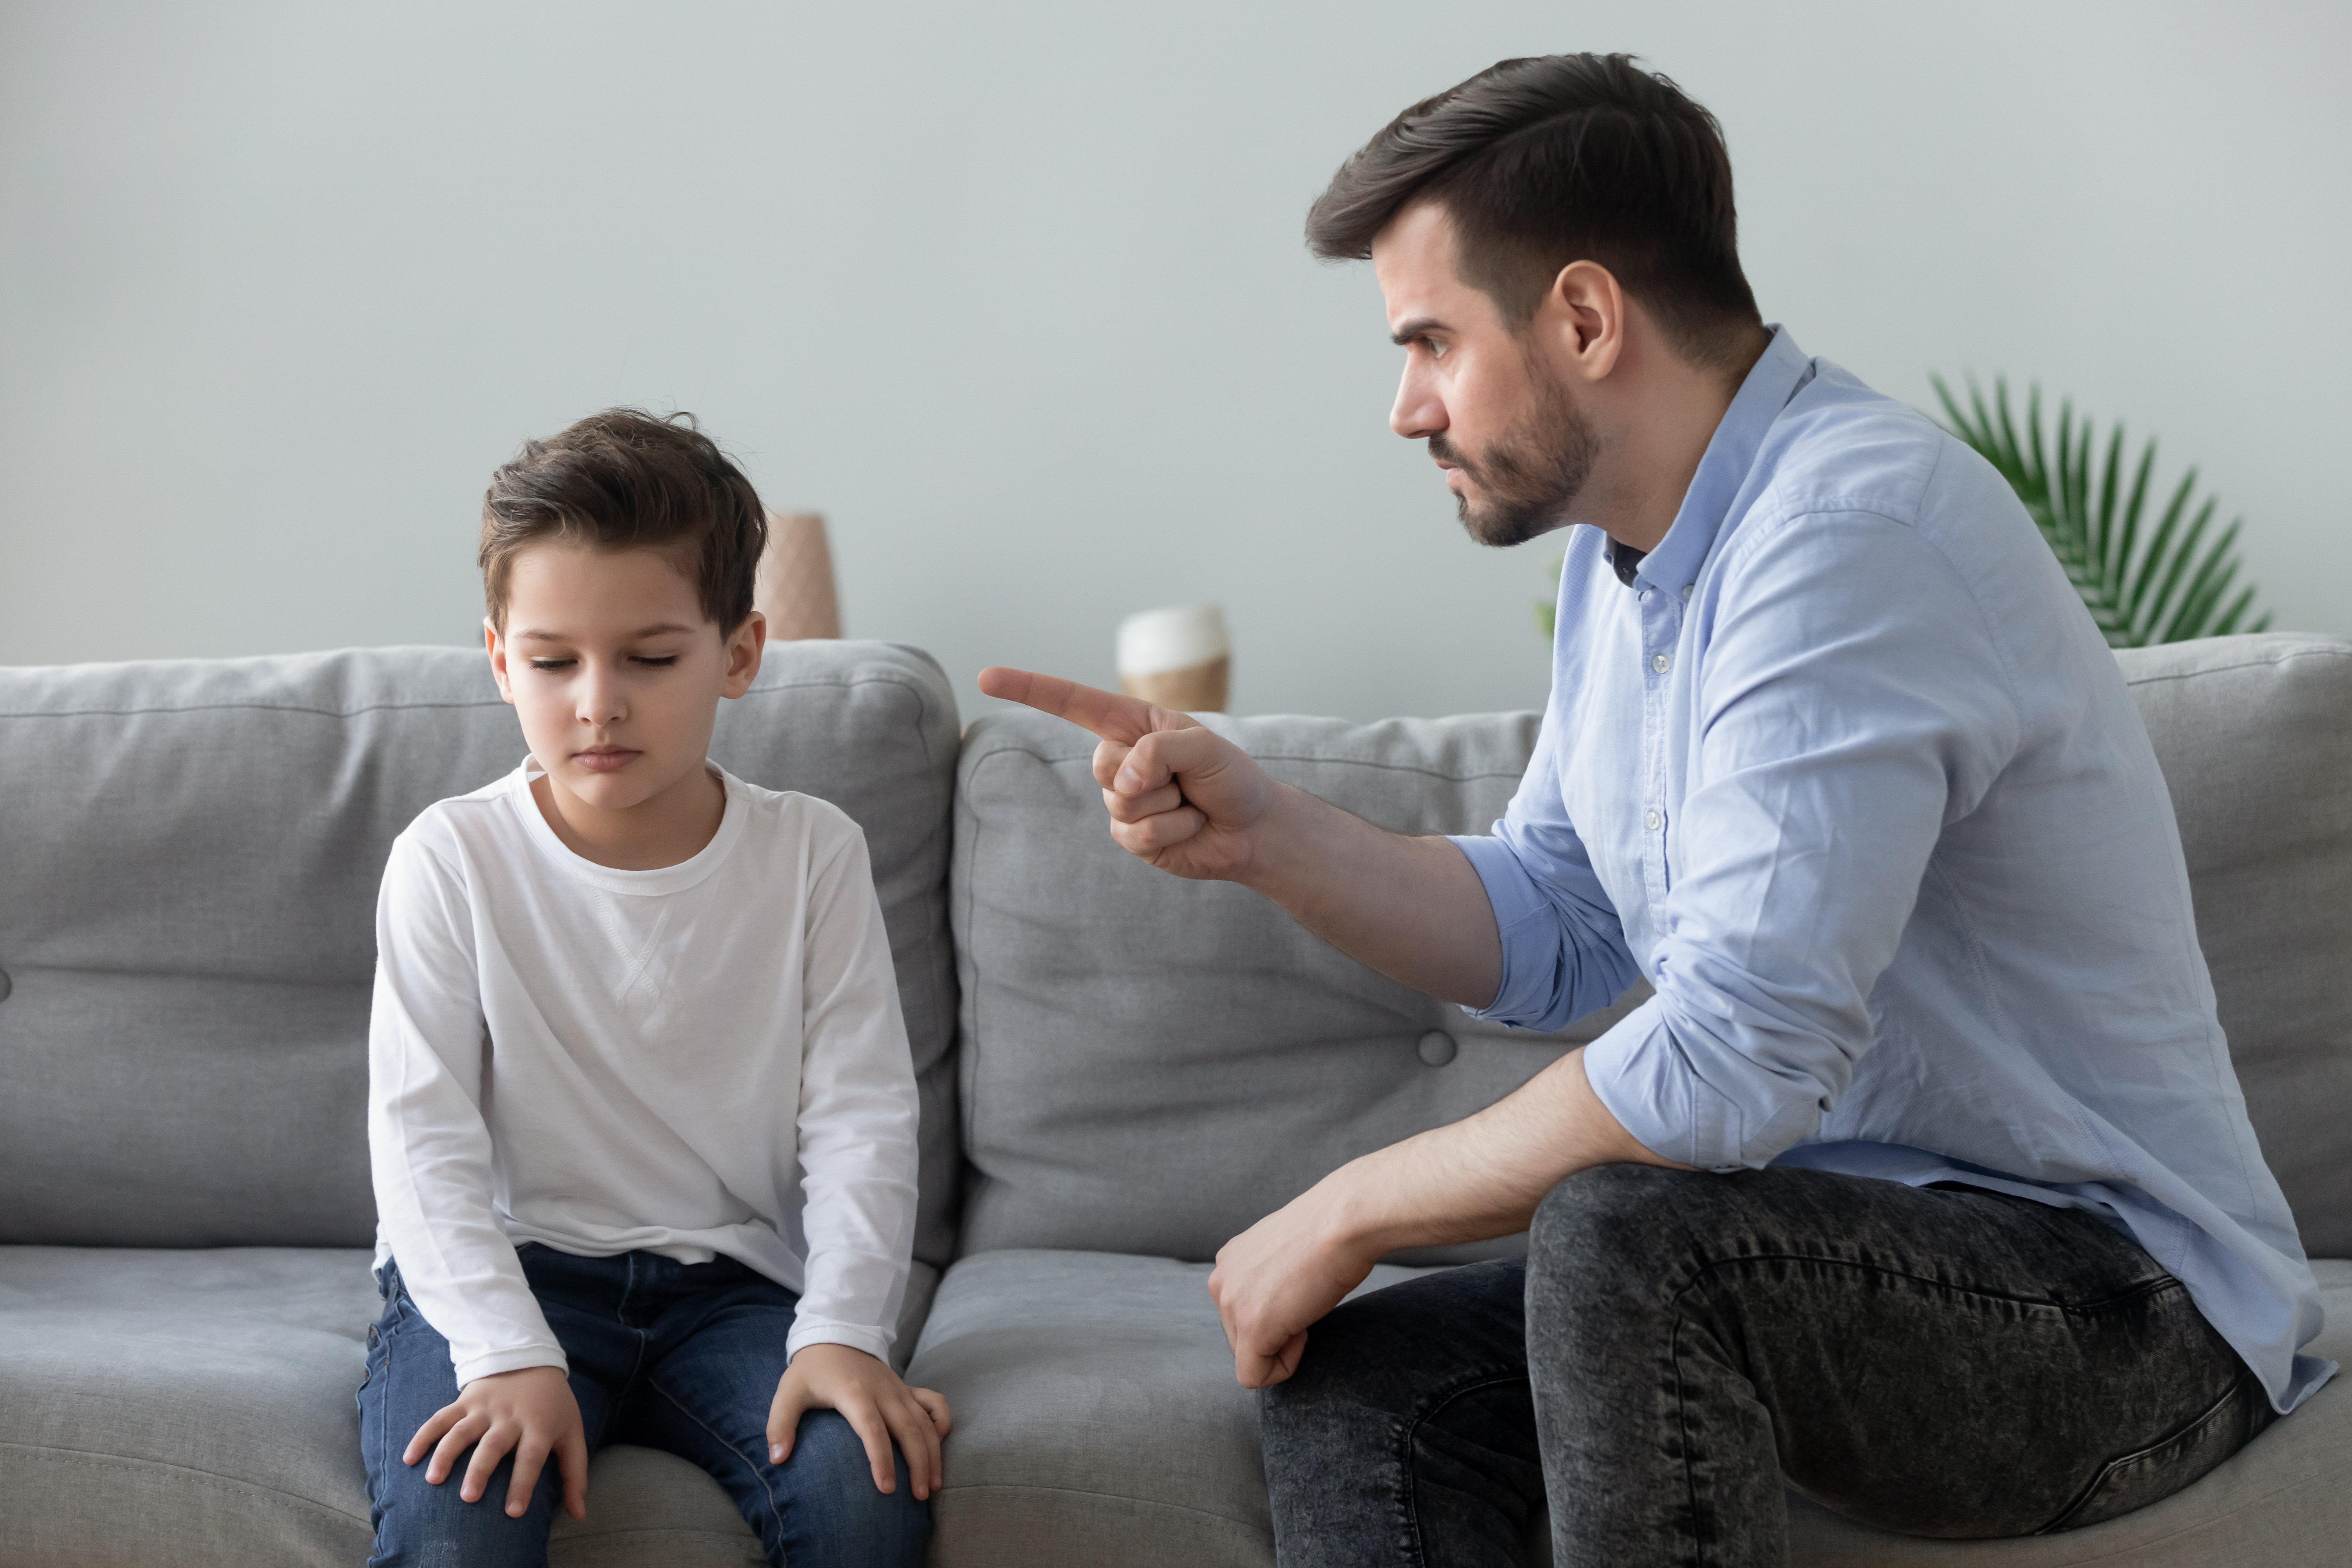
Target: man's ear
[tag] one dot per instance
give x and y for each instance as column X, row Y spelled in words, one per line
column 498, row 651
column 745, row 645
column 1583, row 318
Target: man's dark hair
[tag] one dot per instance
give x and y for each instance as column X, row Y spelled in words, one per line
column 1563, row 158
column 624, row 480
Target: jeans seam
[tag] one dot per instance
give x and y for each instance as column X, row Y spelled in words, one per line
column 766, row 1491
column 2162, row 1282
column 2082, row 1499
column 1404, row 1451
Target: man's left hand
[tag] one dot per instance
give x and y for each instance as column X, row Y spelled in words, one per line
column 1283, row 1273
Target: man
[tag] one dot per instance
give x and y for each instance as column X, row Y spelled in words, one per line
column 1923, row 1181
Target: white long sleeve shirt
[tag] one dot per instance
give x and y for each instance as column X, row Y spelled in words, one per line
column 708, row 1058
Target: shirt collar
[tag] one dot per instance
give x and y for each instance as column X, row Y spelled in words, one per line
column 1773, row 380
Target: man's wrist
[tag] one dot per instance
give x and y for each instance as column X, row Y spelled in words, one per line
column 1281, row 842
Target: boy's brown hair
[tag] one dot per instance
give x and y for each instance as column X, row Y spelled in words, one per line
column 624, row 480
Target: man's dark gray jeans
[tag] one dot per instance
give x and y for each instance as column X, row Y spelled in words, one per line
column 1678, row 1346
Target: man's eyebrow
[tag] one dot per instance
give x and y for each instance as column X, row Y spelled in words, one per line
column 1419, row 326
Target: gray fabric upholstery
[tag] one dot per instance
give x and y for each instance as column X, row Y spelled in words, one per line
column 191, row 853
column 205, row 1398
column 1149, row 1064
column 2255, row 737
column 1097, row 1410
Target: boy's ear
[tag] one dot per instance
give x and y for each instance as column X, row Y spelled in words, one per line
column 498, row 651
column 745, row 645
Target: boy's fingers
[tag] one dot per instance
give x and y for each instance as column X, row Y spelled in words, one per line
column 912, row 1426
column 866, row 1422
column 784, row 1418
column 491, row 1447
column 454, row 1443
column 530, row 1457
column 571, row 1465
column 440, row 1421
column 935, row 1405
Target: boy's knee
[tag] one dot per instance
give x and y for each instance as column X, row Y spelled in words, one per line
column 420, row 1525
column 829, row 1458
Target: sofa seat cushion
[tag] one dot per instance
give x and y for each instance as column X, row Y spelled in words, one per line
column 196, row 1408
column 1097, row 1424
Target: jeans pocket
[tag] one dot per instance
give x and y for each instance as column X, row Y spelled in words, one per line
column 2155, row 1472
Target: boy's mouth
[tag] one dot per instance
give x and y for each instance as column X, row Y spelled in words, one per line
column 604, row 759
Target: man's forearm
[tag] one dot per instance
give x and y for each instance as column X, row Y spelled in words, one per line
column 1414, row 909
column 1485, row 1176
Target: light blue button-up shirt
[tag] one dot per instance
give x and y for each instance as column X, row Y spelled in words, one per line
column 1847, row 772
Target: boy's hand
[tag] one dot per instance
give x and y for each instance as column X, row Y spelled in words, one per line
column 875, row 1403
column 530, row 1411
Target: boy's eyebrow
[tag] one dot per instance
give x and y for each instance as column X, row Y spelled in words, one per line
column 637, row 635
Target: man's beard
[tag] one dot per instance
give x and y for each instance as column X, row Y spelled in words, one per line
column 1532, row 472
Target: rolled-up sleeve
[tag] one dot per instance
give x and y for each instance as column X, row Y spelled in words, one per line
column 1851, row 704
column 1564, row 951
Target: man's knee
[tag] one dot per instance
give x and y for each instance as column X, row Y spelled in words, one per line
column 1606, row 1231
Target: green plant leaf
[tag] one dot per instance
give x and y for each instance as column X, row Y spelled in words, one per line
column 2141, row 585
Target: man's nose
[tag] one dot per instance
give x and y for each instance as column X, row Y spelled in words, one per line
column 1418, row 414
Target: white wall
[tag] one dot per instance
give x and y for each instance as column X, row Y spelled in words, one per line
column 1015, row 293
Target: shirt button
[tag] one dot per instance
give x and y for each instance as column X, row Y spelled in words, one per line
column 1661, row 664
column 1650, row 820
column 1686, row 589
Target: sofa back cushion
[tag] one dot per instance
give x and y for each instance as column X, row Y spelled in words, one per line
column 2255, row 737
column 190, row 852
column 1150, row 1065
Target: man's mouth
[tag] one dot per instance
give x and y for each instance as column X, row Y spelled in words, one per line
column 604, row 759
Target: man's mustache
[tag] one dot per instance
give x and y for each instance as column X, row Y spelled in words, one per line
column 1445, row 451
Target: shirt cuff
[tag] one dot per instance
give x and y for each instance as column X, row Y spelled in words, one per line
column 1639, row 1073
column 492, row 1363
column 874, row 1342
column 1520, row 909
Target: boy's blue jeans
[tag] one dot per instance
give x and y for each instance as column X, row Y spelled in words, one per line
column 679, row 1356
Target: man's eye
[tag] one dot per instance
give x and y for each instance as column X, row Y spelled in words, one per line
column 1437, row 350
column 554, row 663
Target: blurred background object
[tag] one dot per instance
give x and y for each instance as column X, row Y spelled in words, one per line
column 1016, row 293
column 1179, row 658
column 796, row 590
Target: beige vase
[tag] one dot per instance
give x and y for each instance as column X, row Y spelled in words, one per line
column 1178, row 657
column 795, row 588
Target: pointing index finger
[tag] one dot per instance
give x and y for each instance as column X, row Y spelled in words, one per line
column 1109, row 714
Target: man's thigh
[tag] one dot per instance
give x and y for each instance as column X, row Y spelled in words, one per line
column 1406, row 1437
column 1943, row 1362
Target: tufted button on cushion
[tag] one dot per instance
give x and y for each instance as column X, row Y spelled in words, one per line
column 1436, row 1047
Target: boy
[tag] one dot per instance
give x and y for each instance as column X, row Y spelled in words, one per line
column 640, row 1107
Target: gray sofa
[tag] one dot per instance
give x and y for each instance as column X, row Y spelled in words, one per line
column 1119, row 1071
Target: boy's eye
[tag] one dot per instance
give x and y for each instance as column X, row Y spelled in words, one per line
column 659, row 661
column 554, row 663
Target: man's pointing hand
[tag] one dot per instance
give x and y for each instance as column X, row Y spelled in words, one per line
column 1179, row 794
